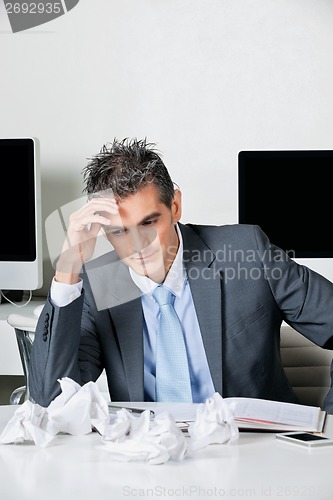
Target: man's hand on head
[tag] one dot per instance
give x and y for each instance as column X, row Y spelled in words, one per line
column 83, row 228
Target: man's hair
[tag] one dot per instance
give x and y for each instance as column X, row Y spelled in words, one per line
column 127, row 166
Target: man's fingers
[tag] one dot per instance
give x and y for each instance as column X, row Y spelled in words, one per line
column 103, row 205
column 94, row 229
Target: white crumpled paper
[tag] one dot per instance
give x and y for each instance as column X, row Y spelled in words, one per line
column 214, row 424
column 157, row 440
column 140, row 438
column 75, row 411
column 125, row 436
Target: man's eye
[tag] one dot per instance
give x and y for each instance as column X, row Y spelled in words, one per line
column 114, row 232
column 149, row 222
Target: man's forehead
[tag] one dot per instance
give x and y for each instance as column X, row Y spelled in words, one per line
column 117, row 221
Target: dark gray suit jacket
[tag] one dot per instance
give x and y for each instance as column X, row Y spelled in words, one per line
column 243, row 288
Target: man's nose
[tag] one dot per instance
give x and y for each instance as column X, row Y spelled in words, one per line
column 139, row 238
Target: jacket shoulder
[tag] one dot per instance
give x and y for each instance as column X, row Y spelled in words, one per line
column 228, row 232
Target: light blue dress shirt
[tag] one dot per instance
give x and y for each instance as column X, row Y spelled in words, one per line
column 176, row 280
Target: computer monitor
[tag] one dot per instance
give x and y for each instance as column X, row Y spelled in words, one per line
column 288, row 194
column 20, row 206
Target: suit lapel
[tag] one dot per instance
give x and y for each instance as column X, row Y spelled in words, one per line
column 114, row 289
column 110, row 282
column 127, row 317
column 205, row 284
column 128, row 322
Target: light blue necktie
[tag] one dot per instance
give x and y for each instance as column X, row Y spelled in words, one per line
column 172, row 372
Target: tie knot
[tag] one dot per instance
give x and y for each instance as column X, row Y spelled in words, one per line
column 162, row 295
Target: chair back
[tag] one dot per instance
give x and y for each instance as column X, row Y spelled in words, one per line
column 307, row 367
column 24, row 327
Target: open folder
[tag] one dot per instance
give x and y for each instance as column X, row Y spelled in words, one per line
column 250, row 413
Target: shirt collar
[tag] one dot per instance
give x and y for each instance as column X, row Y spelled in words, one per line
column 175, row 279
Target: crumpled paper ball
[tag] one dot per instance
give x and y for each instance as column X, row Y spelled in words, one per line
column 74, row 411
column 214, row 424
column 27, row 424
column 140, row 438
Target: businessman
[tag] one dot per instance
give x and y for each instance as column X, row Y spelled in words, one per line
column 173, row 312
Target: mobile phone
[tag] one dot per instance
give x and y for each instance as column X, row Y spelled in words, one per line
column 305, row 439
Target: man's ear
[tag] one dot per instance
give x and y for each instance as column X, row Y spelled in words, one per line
column 176, row 206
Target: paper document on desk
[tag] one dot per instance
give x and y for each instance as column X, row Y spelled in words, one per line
column 251, row 413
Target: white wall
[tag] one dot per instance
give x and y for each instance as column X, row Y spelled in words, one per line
column 201, row 78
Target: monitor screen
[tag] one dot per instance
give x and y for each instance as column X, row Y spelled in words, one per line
column 289, row 195
column 20, row 249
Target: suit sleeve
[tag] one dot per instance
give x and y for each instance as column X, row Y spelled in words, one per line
column 304, row 297
column 58, row 351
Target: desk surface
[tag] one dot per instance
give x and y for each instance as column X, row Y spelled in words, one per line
column 74, row 467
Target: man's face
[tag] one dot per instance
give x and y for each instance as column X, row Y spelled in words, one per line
column 144, row 234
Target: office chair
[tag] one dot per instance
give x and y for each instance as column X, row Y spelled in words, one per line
column 24, row 327
column 307, row 367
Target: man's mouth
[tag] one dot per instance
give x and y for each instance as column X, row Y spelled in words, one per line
column 144, row 256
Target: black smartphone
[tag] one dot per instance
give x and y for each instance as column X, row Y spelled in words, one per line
column 305, row 439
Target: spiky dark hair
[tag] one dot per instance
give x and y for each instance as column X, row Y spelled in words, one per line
column 125, row 167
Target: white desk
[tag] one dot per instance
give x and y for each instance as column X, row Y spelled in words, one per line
column 10, row 361
column 74, row 468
